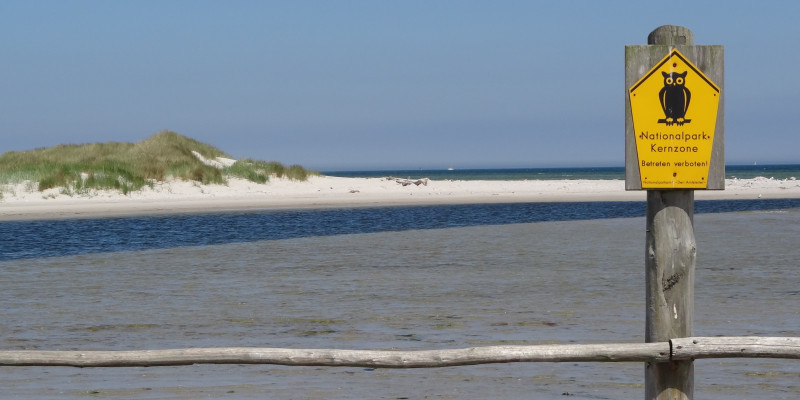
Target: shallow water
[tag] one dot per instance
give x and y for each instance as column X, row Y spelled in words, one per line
column 532, row 283
column 62, row 237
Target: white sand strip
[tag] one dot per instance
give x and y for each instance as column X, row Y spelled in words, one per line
column 20, row 202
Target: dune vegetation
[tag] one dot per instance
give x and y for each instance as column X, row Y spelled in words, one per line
column 131, row 166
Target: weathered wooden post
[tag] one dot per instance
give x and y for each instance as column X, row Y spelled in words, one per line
column 673, row 145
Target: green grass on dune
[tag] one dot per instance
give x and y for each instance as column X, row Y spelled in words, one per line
column 131, row 166
column 260, row 171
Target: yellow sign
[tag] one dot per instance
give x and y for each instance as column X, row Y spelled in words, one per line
column 674, row 109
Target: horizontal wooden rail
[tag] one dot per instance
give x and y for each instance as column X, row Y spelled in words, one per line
column 694, row 348
column 678, row 349
column 342, row 358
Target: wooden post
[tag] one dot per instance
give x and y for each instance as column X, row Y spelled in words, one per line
column 670, row 265
column 677, row 147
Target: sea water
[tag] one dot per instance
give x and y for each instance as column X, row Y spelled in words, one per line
column 778, row 171
column 522, row 283
column 60, row 237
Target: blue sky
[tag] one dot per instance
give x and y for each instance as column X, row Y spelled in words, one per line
column 380, row 84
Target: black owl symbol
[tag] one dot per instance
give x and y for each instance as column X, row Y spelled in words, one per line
column 674, row 97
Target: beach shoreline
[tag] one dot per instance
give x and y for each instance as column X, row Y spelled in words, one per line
column 318, row 192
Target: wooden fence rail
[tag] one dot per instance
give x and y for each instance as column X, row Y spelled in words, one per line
column 676, row 349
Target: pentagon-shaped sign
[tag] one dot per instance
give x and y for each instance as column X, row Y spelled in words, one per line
column 674, row 109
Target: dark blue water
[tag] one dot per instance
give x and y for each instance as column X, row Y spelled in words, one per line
column 48, row 238
column 784, row 171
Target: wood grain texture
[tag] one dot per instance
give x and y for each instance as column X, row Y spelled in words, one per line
column 678, row 349
column 735, row 347
column 670, row 255
column 626, row 352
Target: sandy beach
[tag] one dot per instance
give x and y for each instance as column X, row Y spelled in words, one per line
column 22, row 201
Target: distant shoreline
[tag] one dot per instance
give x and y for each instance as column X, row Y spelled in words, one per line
column 180, row 197
column 733, row 171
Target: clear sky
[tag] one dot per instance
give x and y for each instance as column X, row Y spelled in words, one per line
column 379, row 84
